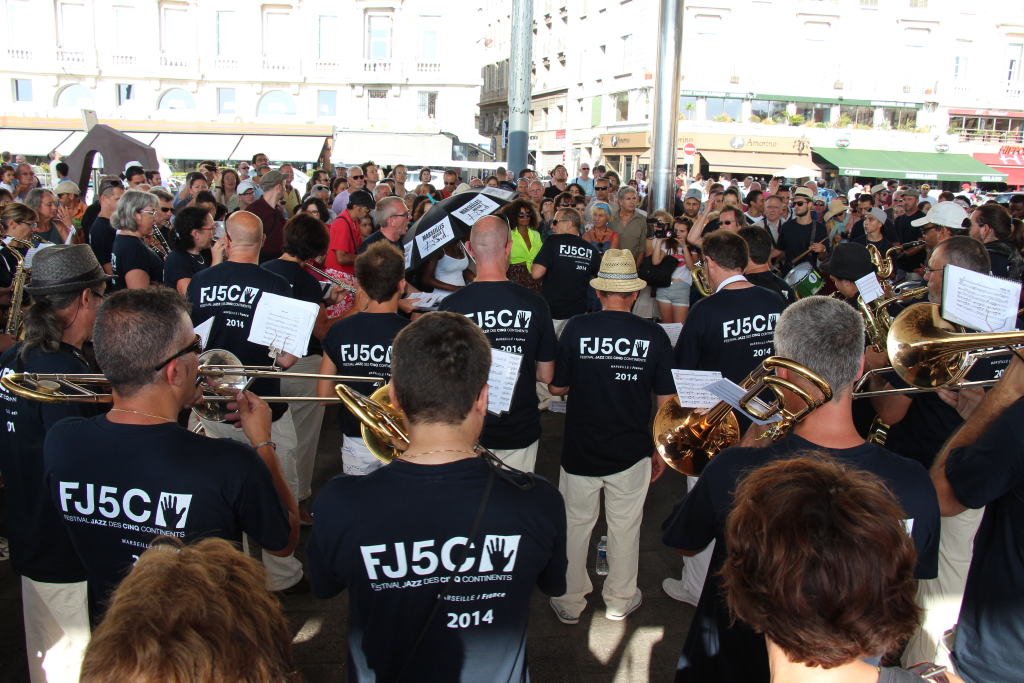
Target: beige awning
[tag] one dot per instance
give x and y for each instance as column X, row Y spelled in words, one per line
column 754, row 162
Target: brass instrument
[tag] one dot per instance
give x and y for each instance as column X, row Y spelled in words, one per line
column 18, row 281
column 688, row 439
column 886, row 265
column 221, row 376
column 879, row 431
column 383, row 426
column 928, row 352
column 333, row 280
column 159, row 244
column 877, row 320
column 700, row 280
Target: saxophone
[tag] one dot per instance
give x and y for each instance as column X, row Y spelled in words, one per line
column 21, row 274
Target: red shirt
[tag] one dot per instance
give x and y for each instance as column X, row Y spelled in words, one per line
column 345, row 236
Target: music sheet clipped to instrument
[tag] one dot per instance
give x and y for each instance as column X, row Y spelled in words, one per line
column 690, row 387
column 869, row 288
column 978, row 301
column 283, row 323
column 731, row 393
column 502, row 380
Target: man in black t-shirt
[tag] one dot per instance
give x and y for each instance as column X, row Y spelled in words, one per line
column 609, row 359
column 866, row 202
column 802, row 239
column 906, row 231
column 101, row 232
column 516, row 321
column 758, row 272
column 991, row 225
column 874, row 220
column 718, row 648
column 229, row 293
column 565, row 264
column 729, row 332
column 360, row 344
column 392, row 216
column 979, row 471
column 121, row 479
column 440, row 550
column 68, row 287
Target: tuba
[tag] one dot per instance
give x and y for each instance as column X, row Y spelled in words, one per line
column 12, row 326
column 700, row 280
column 687, row 440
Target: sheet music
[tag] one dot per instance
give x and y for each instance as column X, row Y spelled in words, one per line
column 674, row 330
column 557, row 406
column 203, row 329
column 869, row 288
column 283, row 323
column 980, row 302
column 507, row 195
column 731, row 393
column 474, row 209
column 502, row 379
column 33, row 251
column 690, row 387
column 427, row 301
column 408, row 254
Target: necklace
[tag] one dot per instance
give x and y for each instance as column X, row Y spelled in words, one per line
column 443, row 450
column 139, row 412
column 200, row 258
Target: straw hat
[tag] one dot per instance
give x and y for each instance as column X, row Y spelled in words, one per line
column 835, row 207
column 618, row 273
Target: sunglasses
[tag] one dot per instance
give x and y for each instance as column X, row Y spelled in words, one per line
column 195, row 347
column 727, row 222
column 800, row 203
column 601, row 187
column 524, row 215
column 925, row 229
column 449, row 184
column 166, row 209
column 564, row 206
column 819, row 203
column 584, row 168
column 356, row 177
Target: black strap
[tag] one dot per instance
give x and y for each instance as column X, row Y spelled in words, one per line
column 447, row 584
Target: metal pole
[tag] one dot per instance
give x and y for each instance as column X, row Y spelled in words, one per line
column 520, row 66
column 662, row 181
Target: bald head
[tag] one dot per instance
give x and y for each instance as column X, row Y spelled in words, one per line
column 244, row 232
column 489, row 240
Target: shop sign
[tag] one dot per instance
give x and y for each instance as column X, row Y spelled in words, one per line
column 842, row 142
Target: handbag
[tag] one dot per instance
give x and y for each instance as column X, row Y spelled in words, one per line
column 659, row 275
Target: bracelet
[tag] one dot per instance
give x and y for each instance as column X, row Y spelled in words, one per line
column 265, row 443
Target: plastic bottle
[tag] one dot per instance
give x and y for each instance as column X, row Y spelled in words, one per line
column 602, row 557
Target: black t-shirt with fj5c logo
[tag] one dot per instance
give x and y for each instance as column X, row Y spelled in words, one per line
column 571, row 263
column 518, row 321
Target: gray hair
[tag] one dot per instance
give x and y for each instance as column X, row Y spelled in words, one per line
column 35, row 197
column 824, row 335
column 536, row 182
column 626, row 190
column 571, row 215
column 383, row 212
column 135, row 330
column 132, row 202
column 162, row 194
column 965, row 252
column 320, row 188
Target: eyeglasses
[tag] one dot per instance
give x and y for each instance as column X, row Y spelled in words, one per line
column 600, row 187
column 449, row 184
column 167, row 209
column 247, row 193
column 400, row 215
column 926, row 228
column 195, row 347
column 819, row 203
column 584, row 168
column 151, row 212
column 563, row 220
column 31, row 225
column 243, row 168
column 727, row 222
column 524, row 215
column 565, row 206
column 886, row 192
column 928, row 271
column 356, row 177
column 800, row 203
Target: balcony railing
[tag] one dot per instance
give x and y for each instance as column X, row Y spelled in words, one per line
column 1013, row 137
column 225, row 64
column 70, row 57
column 327, row 66
column 428, row 67
column 19, row 55
column 124, row 60
column 278, row 65
column 377, row 65
column 174, row 61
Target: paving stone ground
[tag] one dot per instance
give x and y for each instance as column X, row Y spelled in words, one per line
column 644, row 647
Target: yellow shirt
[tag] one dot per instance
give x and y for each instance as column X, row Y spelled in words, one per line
column 520, row 252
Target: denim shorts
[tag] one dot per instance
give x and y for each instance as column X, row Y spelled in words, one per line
column 677, row 294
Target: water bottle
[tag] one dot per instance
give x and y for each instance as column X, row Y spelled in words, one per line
column 602, row 557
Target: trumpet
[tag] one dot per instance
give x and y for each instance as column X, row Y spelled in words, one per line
column 333, row 280
column 687, row 440
column 221, row 377
column 700, row 280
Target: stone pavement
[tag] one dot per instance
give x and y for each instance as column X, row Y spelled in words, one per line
column 644, row 647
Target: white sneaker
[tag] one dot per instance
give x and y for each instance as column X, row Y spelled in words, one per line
column 674, row 589
column 562, row 615
column 633, row 605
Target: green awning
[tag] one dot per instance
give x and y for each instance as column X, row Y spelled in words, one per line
column 877, row 163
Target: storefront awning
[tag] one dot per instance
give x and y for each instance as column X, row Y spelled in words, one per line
column 280, row 147
column 753, row 162
column 1012, row 165
column 876, row 163
column 196, row 145
column 391, row 149
column 31, row 142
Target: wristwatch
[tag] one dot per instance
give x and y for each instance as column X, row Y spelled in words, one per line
column 930, row 672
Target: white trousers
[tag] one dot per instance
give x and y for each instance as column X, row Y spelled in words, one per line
column 56, row 629
column 356, row 458
column 282, row 572
column 307, row 416
column 624, row 495
column 543, row 394
column 695, row 569
column 941, row 597
column 523, row 459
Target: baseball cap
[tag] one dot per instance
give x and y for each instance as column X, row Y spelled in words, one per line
column 880, row 187
column 132, row 163
column 850, row 261
column 948, row 214
column 694, row 193
column 271, row 179
column 911, row 193
column 66, row 187
column 245, row 186
column 878, row 214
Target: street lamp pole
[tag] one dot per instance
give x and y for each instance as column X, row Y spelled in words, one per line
column 520, row 67
column 661, row 183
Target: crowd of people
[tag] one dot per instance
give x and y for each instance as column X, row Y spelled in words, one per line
column 824, row 555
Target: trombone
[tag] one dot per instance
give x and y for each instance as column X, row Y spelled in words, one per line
column 687, row 438
column 221, row 376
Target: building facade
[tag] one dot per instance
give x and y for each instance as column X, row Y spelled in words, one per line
column 389, row 65
column 910, row 73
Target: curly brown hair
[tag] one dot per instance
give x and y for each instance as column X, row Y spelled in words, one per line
column 819, row 561
column 511, row 213
column 192, row 614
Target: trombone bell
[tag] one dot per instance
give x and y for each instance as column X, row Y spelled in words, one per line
column 682, row 438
